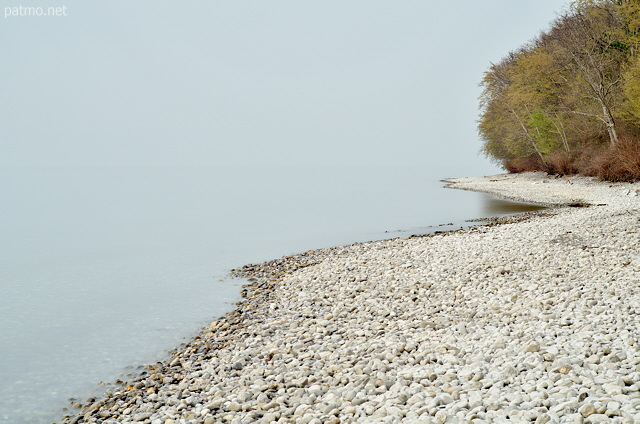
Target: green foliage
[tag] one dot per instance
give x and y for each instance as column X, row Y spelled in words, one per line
column 631, row 106
column 543, row 132
column 576, row 85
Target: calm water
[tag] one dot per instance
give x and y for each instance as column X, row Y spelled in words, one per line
column 104, row 270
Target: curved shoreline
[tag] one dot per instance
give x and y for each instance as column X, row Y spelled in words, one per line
column 536, row 319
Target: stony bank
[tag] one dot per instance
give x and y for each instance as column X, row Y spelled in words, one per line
column 534, row 320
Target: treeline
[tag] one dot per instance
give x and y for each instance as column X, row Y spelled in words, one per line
column 569, row 101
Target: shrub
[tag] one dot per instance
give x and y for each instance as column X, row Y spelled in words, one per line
column 528, row 164
column 584, row 158
column 560, row 163
column 617, row 163
column 620, row 163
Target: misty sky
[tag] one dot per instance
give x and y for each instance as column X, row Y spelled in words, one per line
column 150, row 84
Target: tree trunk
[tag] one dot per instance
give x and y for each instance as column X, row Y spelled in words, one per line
column 561, row 132
column 526, row 132
column 610, row 123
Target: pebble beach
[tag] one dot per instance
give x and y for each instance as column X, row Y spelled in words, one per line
column 531, row 318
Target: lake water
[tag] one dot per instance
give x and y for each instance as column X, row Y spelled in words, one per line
column 102, row 271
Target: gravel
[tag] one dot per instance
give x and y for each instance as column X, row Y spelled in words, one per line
column 533, row 320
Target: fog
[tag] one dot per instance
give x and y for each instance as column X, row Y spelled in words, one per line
column 146, row 148
column 121, row 84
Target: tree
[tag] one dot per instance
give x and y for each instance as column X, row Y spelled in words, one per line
column 501, row 125
column 536, row 88
column 556, row 101
column 591, row 37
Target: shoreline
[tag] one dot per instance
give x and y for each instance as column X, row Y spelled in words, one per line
column 531, row 317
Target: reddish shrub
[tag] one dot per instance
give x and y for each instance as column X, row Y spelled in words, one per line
column 617, row 163
column 595, row 158
column 560, row 163
column 584, row 157
column 532, row 163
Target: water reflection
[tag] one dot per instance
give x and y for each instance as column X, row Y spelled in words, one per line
column 493, row 206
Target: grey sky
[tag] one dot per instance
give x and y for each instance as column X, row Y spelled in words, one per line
column 209, row 83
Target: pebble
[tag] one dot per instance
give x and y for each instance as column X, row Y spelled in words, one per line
column 587, row 410
column 528, row 318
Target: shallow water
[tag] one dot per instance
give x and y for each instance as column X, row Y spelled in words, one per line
column 102, row 271
column 493, row 206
